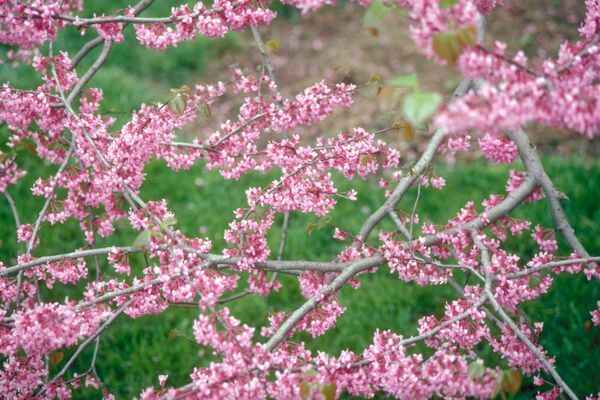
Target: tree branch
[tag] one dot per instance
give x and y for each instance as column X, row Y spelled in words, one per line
column 485, row 260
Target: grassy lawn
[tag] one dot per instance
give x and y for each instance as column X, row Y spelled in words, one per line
column 134, row 352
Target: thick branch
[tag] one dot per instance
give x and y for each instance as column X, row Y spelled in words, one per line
column 552, row 264
column 92, row 44
column 404, row 184
column 89, row 74
column 534, row 166
column 66, row 256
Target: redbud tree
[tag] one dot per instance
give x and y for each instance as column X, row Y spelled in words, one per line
column 99, row 172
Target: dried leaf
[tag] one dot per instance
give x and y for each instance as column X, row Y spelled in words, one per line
column 366, row 158
column 173, row 333
column 375, row 15
column 305, row 390
column 328, row 391
column 373, row 31
column 511, row 381
column 56, row 357
column 407, row 131
column 450, row 45
column 447, row 47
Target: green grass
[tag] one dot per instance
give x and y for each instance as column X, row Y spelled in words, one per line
column 134, row 352
column 132, row 73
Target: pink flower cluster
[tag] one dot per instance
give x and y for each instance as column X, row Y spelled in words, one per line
column 562, row 93
column 224, row 16
column 466, row 333
column 47, row 327
column 498, row 149
column 486, row 6
column 515, row 351
column 29, row 24
column 402, row 260
column 429, row 18
column 383, row 367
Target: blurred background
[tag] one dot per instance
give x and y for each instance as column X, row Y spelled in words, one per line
column 334, row 44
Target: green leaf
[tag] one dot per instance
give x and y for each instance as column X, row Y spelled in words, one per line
column 141, row 240
column 375, row 14
column 309, row 373
column 447, row 3
column 497, row 384
column 323, row 221
column 418, row 107
column 168, row 222
column 305, row 390
column 388, row 116
column 328, row 391
column 273, row 45
column 375, row 77
column 205, row 108
column 476, row 369
column 409, row 80
column 177, row 104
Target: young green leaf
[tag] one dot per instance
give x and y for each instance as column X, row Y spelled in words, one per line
column 177, row 104
column 375, row 14
column 205, row 108
column 447, row 3
column 476, row 369
column 418, row 107
column 141, row 240
column 168, row 222
column 323, row 221
column 408, row 80
column 273, row 45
